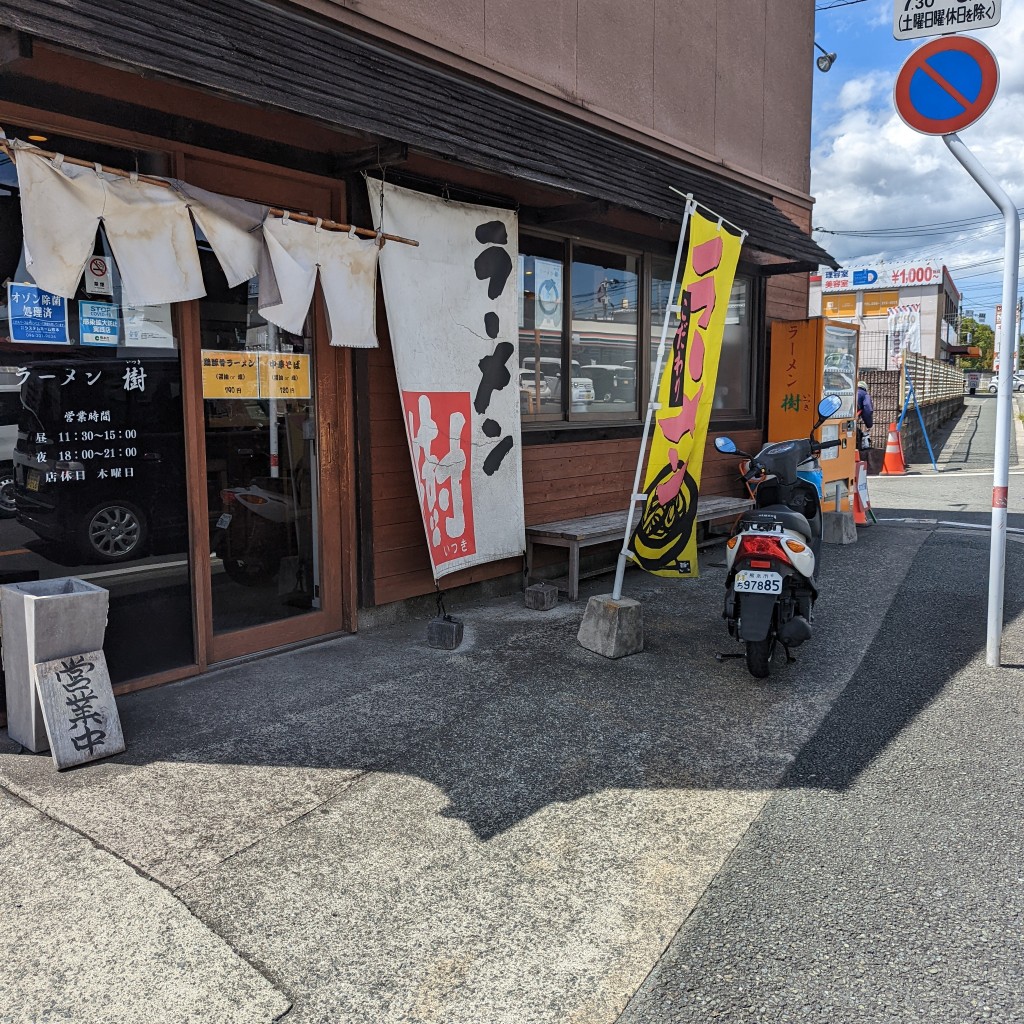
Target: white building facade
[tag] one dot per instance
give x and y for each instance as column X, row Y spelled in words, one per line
column 911, row 306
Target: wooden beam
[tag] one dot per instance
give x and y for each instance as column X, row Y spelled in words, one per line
column 59, row 99
column 567, row 212
column 386, row 155
column 14, row 46
column 774, row 269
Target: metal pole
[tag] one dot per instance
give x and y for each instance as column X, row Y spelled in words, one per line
column 275, row 458
column 1004, row 392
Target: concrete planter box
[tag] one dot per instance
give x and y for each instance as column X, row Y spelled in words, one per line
column 42, row 621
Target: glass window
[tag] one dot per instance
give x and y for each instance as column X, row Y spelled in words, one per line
column 92, row 460
column 733, row 394
column 262, row 468
column 879, row 303
column 604, row 336
column 840, row 374
column 541, row 264
column 842, row 305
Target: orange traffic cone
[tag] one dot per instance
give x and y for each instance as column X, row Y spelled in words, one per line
column 860, row 490
column 894, row 464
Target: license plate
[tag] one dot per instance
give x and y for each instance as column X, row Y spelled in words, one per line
column 32, row 481
column 224, row 522
column 749, row 582
column 763, row 527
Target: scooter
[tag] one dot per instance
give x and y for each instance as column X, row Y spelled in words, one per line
column 254, row 531
column 770, row 588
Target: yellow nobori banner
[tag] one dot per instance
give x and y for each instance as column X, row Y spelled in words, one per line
column 665, row 541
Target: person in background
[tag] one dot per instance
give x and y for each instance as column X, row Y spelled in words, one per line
column 865, row 416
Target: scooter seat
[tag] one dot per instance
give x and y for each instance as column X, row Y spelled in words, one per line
column 779, row 513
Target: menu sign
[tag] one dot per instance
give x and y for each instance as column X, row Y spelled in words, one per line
column 284, row 375
column 230, row 374
column 281, row 375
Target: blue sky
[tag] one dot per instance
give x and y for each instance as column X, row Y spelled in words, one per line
column 869, row 171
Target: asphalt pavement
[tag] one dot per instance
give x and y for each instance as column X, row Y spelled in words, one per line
column 885, row 880
column 520, row 831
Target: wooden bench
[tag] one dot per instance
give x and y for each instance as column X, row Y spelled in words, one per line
column 589, row 531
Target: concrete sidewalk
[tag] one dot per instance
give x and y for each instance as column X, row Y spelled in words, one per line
column 371, row 830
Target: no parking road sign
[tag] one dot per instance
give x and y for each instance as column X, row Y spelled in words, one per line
column 946, row 85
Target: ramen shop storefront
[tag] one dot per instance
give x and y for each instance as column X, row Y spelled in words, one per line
column 184, row 455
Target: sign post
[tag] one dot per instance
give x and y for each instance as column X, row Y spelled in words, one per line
column 1004, row 396
column 942, row 88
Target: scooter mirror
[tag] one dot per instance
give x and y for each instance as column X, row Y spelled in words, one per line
column 829, row 406
column 726, row 445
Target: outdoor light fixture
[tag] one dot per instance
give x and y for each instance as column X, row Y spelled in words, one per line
column 826, row 60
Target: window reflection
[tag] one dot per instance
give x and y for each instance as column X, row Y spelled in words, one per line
column 733, row 388
column 604, row 338
column 540, row 328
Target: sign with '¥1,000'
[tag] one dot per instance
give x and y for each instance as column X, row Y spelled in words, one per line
column 946, row 85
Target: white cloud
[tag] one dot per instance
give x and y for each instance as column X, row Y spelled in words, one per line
column 880, row 15
column 870, row 171
column 858, row 92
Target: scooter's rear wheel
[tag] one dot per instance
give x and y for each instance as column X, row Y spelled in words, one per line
column 760, row 654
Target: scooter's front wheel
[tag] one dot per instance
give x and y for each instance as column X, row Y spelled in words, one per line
column 759, row 656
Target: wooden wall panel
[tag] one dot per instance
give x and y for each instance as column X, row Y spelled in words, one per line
column 788, row 297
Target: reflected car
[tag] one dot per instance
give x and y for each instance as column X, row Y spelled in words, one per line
column 530, row 389
column 65, row 488
column 99, row 469
column 612, row 383
column 582, row 391
column 10, row 408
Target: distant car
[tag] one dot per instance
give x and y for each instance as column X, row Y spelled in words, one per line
column 1018, row 382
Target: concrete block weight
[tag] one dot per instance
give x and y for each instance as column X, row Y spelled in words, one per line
column 444, row 633
column 613, row 629
column 541, row 597
column 838, row 528
column 44, row 620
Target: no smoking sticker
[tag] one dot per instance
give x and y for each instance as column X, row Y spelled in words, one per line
column 98, row 279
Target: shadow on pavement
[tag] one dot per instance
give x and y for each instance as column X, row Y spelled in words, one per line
column 521, row 717
column 935, row 626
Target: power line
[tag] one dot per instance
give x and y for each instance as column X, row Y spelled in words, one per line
column 910, row 230
column 830, row 4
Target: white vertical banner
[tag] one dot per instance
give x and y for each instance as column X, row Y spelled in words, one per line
column 904, row 331
column 452, row 311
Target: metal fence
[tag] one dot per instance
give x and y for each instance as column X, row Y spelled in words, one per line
column 874, row 350
column 938, row 388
